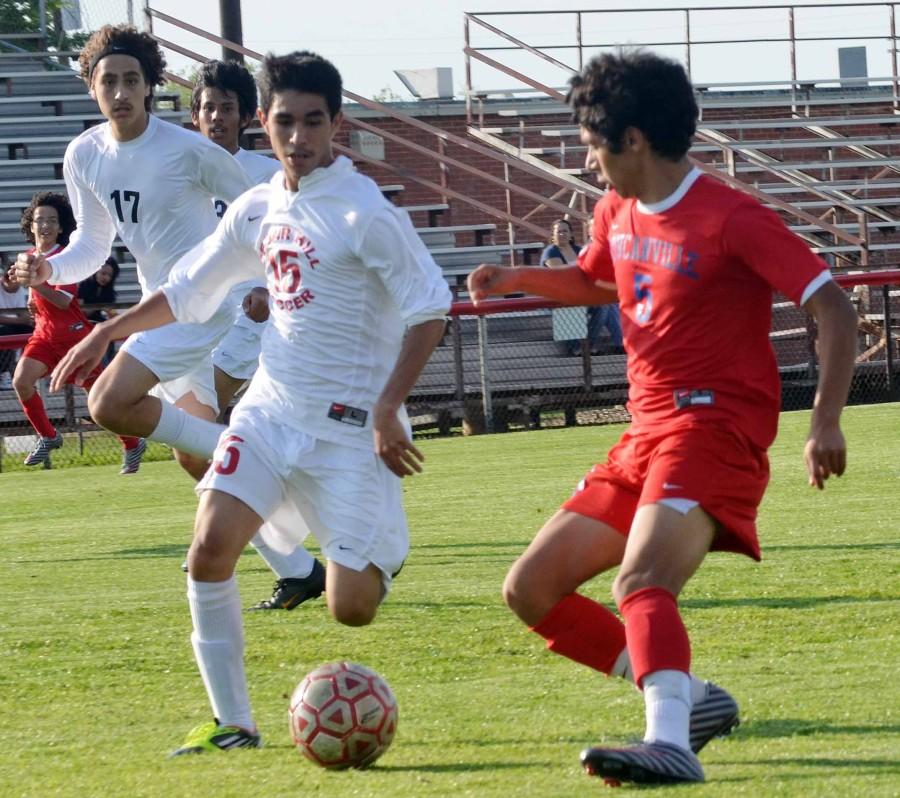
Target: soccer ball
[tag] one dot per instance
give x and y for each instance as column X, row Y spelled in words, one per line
column 343, row 715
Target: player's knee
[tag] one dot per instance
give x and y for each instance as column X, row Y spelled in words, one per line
column 208, row 560
column 351, row 610
column 524, row 596
column 105, row 406
column 23, row 387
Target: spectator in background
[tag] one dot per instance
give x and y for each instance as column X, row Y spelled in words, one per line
column 100, row 289
column 563, row 251
column 60, row 323
column 12, row 298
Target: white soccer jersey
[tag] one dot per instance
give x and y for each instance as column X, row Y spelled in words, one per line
column 260, row 169
column 347, row 274
column 156, row 191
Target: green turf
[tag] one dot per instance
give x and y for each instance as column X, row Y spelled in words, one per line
column 98, row 681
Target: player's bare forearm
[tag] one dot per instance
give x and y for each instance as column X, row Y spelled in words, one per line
column 149, row 314
column 59, row 299
column 567, row 284
column 826, row 451
column 391, row 441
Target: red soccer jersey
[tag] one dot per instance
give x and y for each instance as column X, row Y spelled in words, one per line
column 59, row 324
column 695, row 276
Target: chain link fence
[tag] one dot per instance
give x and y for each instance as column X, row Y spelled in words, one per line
column 521, row 365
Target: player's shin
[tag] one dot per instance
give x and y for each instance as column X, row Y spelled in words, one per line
column 218, row 641
column 185, row 432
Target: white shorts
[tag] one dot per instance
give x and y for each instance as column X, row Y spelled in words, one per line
column 347, row 497
column 238, row 352
column 179, row 356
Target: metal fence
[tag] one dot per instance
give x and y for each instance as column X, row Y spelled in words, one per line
column 522, row 363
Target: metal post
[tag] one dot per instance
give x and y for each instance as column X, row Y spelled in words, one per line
column 42, row 6
column 791, row 36
column 131, row 12
column 483, row 364
column 468, row 71
column 510, row 228
column 889, row 341
column 230, row 20
column 895, row 92
column 687, row 40
column 578, row 36
column 148, row 17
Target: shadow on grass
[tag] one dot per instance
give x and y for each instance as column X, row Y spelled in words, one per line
column 797, row 727
column 462, row 767
column 781, row 603
column 835, row 547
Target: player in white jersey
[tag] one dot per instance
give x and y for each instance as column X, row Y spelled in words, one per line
column 153, row 183
column 358, row 305
column 223, row 103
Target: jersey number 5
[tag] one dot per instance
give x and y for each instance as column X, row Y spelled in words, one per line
column 132, row 197
column 644, row 306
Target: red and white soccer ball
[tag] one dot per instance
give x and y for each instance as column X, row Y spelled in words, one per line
column 343, row 715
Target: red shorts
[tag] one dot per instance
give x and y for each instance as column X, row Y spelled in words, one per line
column 712, row 464
column 50, row 352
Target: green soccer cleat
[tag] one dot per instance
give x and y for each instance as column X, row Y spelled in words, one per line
column 214, row 737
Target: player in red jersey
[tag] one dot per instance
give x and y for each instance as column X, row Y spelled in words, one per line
column 694, row 265
column 60, row 323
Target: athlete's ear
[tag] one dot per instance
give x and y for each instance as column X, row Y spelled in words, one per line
column 336, row 122
column 261, row 116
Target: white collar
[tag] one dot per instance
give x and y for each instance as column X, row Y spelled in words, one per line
column 674, row 198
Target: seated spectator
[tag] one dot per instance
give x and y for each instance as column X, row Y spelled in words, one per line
column 561, row 252
column 60, row 323
column 12, row 298
column 100, row 289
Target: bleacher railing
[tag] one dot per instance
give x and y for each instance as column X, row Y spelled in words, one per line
column 442, row 139
column 504, row 365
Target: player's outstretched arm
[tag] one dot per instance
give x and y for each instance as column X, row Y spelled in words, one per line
column 826, row 450
column 391, row 441
column 83, row 358
column 567, row 285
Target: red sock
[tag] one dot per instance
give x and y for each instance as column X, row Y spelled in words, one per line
column 129, row 443
column 584, row 631
column 657, row 639
column 37, row 415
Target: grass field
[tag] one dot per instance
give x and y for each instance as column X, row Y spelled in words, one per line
column 98, row 681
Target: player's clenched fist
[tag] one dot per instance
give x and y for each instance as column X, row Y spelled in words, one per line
column 489, row 280
column 31, row 269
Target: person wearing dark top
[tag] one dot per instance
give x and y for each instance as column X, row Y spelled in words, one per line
column 563, row 251
column 100, row 289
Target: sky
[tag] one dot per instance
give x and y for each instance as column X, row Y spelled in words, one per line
column 368, row 40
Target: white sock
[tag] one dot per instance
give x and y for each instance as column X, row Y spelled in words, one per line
column 667, row 701
column 185, row 432
column 622, row 669
column 218, row 641
column 296, row 565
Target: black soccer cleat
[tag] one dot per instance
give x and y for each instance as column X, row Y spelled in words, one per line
column 645, row 763
column 289, row 593
column 715, row 716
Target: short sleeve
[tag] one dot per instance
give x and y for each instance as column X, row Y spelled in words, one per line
column 759, row 238
column 594, row 259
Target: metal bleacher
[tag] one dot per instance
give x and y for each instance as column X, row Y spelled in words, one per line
column 43, row 109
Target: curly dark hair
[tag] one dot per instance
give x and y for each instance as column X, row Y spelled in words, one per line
column 636, row 88
column 301, row 71
column 126, row 40
column 227, row 76
column 50, row 199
